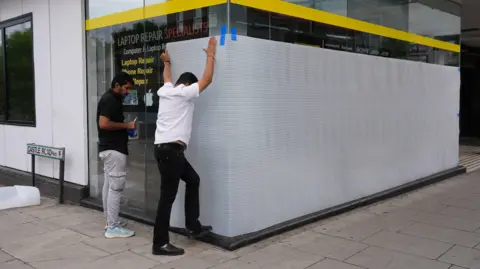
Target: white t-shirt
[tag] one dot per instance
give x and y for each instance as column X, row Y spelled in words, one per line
column 175, row 113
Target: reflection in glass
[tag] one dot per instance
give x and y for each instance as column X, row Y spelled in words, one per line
column 439, row 19
column 389, row 13
column 19, row 66
column 338, row 7
column 283, row 28
column 305, row 3
column 2, row 82
column 431, row 22
column 333, row 6
column 152, row 2
column 256, row 22
column 98, row 8
column 278, row 27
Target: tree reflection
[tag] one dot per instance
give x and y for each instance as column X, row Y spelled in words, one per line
column 20, row 75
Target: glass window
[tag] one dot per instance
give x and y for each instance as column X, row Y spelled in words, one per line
column 306, row 3
column 2, row 80
column 269, row 25
column 284, row 28
column 434, row 22
column 389, row 13
column 135, row 48
column 17, row 86
column 99, row 8
column 152, row 2
column 338, row 7
column 333, row 6
column 438, row 19
column 19, row 66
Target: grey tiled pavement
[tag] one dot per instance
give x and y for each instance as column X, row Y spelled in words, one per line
column 437, row 227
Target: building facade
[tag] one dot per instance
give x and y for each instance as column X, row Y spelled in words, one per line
column 315, row 103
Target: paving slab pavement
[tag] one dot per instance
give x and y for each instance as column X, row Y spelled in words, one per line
column 436, row 227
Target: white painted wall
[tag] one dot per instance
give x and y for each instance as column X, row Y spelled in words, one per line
column 287, row 130
column 60, row 88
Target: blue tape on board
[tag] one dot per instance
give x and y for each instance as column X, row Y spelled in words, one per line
column 234, row 34
column 222, row 35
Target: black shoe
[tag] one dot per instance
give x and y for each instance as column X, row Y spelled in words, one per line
column 204, row 230
column 167, row 250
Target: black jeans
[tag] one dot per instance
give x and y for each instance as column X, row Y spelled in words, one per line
column 174, row 166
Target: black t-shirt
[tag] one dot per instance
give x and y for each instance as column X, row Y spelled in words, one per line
column 111, row 106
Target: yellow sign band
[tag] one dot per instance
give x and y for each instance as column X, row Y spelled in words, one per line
column 276, row 6
column 151, row 11
column 298, row 11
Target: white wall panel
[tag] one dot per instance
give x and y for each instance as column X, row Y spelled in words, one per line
column 43, row 133
column 15, row 138
column 287, row 130
column 10, row 9
column 69, row 86
column 3, row 151
column 59, row 88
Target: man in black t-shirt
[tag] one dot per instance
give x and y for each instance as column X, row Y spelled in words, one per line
column 113, row 150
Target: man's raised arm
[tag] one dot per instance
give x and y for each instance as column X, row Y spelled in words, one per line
column 167, row 73
column 207, row 77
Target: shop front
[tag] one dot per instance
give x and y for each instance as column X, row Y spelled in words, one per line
column 316, row 106
column 310, row 112
column 134, row 47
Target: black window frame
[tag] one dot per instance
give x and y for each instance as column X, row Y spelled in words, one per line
column 3, row 25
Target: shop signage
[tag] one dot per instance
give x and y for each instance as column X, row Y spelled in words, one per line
column 52, row 153
column 171, row 32
column 356, row 49
column 47, row 152
column 418, row 48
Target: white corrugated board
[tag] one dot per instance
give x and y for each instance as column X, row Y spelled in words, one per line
column 287, row 130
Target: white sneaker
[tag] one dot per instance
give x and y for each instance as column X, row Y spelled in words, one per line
column 118, row 232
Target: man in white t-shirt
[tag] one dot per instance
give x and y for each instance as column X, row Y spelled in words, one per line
column 174, row 127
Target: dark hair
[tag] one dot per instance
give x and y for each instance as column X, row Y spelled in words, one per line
column 122, row 78
column 187, row 78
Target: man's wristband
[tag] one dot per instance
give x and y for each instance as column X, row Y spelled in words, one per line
column 166, row 62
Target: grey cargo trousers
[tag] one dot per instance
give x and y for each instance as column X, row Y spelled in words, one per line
column 114, row 167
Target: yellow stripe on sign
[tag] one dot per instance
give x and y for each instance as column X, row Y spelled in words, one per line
column 151, row 11
column 295, row 10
